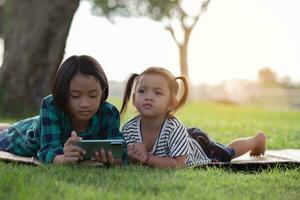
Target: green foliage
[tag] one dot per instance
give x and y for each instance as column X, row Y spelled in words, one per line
column 154, row 9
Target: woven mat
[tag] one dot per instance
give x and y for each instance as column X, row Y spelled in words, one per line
column 284, row 158
column 9, row 157
column 287, row 158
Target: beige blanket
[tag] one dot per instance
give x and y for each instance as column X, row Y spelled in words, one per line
column 284, row 157
column 5, row 156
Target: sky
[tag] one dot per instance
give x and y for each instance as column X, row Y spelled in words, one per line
column 234, row 39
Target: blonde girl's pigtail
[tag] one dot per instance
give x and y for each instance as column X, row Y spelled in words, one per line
column 184, row 94
column 127, row 92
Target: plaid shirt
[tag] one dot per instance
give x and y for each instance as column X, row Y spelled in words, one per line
column 44, row 135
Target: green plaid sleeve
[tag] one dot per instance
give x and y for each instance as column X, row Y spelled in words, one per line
column 51, row 131
column 113, row 123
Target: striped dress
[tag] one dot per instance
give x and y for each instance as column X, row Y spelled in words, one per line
column 173, row 141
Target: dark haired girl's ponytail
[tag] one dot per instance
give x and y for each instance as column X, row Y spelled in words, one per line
column 127, row 92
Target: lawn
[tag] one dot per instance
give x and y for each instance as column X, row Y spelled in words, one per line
column 223, row 122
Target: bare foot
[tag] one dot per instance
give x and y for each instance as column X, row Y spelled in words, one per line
column 260, row 147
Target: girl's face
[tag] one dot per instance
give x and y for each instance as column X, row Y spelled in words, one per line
column 152, row 97
column 85, row 95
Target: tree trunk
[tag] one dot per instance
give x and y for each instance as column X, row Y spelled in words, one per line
column 183, row 53
column 1, row 19
column 187, row 30
column 34, row 48
column 183, row 60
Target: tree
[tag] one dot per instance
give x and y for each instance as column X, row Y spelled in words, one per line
column 1, row 18
column 286, row 82
column 168, row 11
column 34, row 46
column 267, row 78
column 35, row 35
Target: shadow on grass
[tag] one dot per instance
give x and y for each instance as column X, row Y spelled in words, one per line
column 252, row 167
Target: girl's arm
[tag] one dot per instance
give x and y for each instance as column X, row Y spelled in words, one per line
column 51, row 143
column 53, row 147
column 138, row 153
column 166, row 162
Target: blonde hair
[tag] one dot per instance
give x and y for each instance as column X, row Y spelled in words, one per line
column 169, row 77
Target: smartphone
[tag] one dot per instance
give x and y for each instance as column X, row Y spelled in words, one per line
column 92, row 146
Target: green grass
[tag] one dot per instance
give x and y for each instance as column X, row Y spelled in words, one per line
column 67, row 182
column 223, row 122
column 226, row 122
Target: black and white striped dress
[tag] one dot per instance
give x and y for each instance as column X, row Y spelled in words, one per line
column 173, row 141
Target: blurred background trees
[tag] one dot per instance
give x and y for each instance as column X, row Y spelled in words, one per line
column 178, row 19
column 268, row 78
column 35, row 34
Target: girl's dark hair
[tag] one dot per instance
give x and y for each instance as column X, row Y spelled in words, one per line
column 84, row 64
column 172, row 82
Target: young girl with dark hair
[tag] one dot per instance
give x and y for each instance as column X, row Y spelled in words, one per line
column 76, row 109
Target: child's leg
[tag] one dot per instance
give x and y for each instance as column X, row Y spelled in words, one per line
column 255, row 144
column 4, row 126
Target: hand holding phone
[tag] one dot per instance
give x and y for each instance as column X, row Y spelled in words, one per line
column 92, row 147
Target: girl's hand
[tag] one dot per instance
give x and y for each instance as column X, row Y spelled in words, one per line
column 72, row 153
column 106, row 158
column 138, row 152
